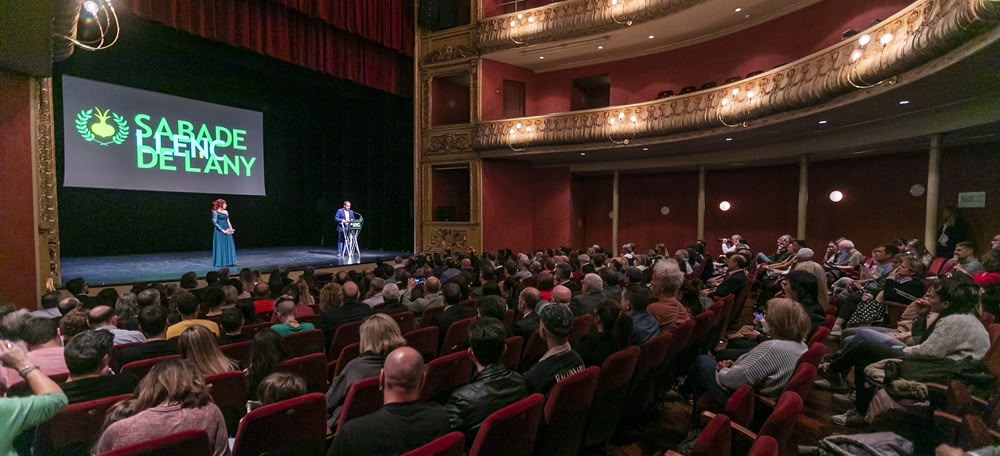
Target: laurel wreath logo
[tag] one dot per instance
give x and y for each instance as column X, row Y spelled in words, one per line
column 101, row 131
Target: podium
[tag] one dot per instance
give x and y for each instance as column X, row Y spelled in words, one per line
column 352, row 229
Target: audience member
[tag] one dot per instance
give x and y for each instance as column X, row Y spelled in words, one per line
column 491, row 306
column 375, row 292
column 198, row 345
column 189, row 281
column 668, row 310
column 127, row 309
column 266, row 353
column 350, row 310
column 87, row 355
column 187, row 307
column 391, row 300
column 262, row 302
column 432, row 297
column 379, row 336
column 50, row 306
column 732, row 282
column 952, row 230
column 635, row 300
column 288, row 324
column 80, row 289
column 330, row 297
column 45, row 350
column 69, row 304
column 153, row 324
column 280, row 386
column 74, row 322
column 493, row 387
column 529, row 322
column 17, row 413
column 452, row 310
column 232, row 327
column 172, row 398
column 614, row 333
column 966, row 260
column 591, row 296
column 404, row 422
column 559, row 361
column 104, row 318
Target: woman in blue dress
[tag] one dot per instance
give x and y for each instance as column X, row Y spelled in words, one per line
column 223, row 247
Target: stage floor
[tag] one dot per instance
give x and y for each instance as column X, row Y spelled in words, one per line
column 154, row 267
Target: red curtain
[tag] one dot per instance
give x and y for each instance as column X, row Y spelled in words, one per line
column 295, row 35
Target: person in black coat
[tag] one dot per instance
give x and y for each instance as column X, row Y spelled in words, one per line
column 452, row 311
column 526, row 303
column 350, row 310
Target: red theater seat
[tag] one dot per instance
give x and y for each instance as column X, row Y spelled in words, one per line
column 239, row 351
column 406, row 321
column 293, row 426
column 190, row 443
column 363, row 398
column 346, row 334
column 75, row 429
column 346, row 355
column 609, row 397
column 310, row 367
column 534, row 348
column 511, row 430
column 427, row 319
column 424, row 341
column 304, row 343
column 142, row 367
column 581, row 327
column 457, row 337
column 446, row 373
column 565, row 414
column 229, row 392
column 451, row 444
column 512, row 355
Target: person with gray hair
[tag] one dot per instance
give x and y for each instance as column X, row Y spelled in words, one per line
column 391, row 300
column 127, row 309
column 667, row 308
column 848, row 258
column 590, row 299
column 376, row 298
column 148, row 297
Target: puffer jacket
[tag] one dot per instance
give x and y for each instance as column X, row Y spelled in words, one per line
column 493, row 388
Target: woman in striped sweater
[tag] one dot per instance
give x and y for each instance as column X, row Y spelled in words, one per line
column 767, row 366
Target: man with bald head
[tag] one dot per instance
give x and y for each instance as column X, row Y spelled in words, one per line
column 526, row 302
column 560, row 295
column 102, row 318
column 432, row 297
column 351, row 309
column 404, row 422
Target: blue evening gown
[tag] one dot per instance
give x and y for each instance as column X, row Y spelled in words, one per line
column 223, row 247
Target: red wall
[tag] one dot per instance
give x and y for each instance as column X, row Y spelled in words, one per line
column 762, row 47
column 877, row 205
column 449, row 102
column 17, row 238
column 973, row 169
column 523, row 207
column 451, row 188
column 594, row 194
column 491, row 85
column 764, row 205
column 640, row 198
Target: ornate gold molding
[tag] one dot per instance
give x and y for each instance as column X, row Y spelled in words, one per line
column 919, row 33
column 448, row 53
column 570, row 18
column 45, row 158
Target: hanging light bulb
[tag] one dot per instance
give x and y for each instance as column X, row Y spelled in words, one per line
column 864, row 40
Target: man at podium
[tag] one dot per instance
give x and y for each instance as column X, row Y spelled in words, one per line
column 343, row 216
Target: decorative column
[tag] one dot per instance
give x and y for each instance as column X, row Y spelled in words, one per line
column 933, row 190
column 803, row 196
column 614, row 214
column 701, row 201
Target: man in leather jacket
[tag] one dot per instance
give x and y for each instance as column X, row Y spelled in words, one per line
column 494, row 386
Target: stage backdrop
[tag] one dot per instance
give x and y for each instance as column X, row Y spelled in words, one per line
column 324, row 140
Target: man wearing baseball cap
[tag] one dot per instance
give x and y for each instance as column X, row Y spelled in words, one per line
column 560, row 361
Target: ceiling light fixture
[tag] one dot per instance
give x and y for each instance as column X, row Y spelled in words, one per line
column 739, row 9
column 645, row 148
column 822, row 122
column 541, row 57
column 600, row 47
column 904, row 102
column 103, row 15
column 729, row 139
column 651, row 36
column 616, row 124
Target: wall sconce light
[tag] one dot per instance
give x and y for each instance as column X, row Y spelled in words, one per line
column 731, row 100
column 623, row 123
column 520, row 22
column 623, row 19
column 522, row 131
column 858, row 55
column 99, row 13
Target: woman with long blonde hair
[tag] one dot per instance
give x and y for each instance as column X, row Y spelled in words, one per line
column 172, row 398
column 198, row 345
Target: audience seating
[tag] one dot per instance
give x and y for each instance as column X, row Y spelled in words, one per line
column 512, row 355
column 192, row 443
column 510, row 431
column 346, row 334
column 239, row 352
column 310, row 367
column 142, row 367
column 304, row 343
column 732, row 79
column 116, row 350
column 582, row 325
column 363, row 398
column 264, row 316
column 508, row 319
column 702, row 333
column 779, row 425
column 346, row 355
column 651, row 356
column 23, row 389
column 819, row 337
column 229, row 392
column 994, row 331
column 75, row 429
column 427, row 319
column 457, row 336
column 688, row 89
column 765, row 445
column 609, row 396
column 534, row 349
column 252, row 329
column 714, row 440
column 565, row 414
column 446, row 373
column 814, row 355
column 425, row 341
column 293, row 426
column 740, row 406
column 406, row 321
column 664, row 94
column 450, row 444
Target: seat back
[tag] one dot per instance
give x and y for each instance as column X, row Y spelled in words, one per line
column 424, row 341
column 512, row 355
column 239, row 351
column 508, row 319
column 765, row 445
column 293, row 426
column 935, row 267
column 565, row 414
column 142, row 367
column 781, row 423
column 75, row 429
column 644, row 380
column 229, row 391
column 427, row 319
column 814, row 355
column 346, row 355
column 252, row 329
column 23, row 389
column 450, row 444
column 406, row 321
column 304, row 343
column 609, row 397
column 802, row 380
column 457, row 336
column 739, row 407
column 715, row 439
column 820, row 336
column 312, row 368
column 446, row 373
column 191, row 442
column 994, row 331
column 947, row 267
column 582, row 325
column 702, row 331
column 363, row 398
column 683, row 336
column 116, row 350
column 534, row 349
column 346, row 334
column 511, row 430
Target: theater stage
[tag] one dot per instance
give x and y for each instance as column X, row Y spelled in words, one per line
column 154, row 267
